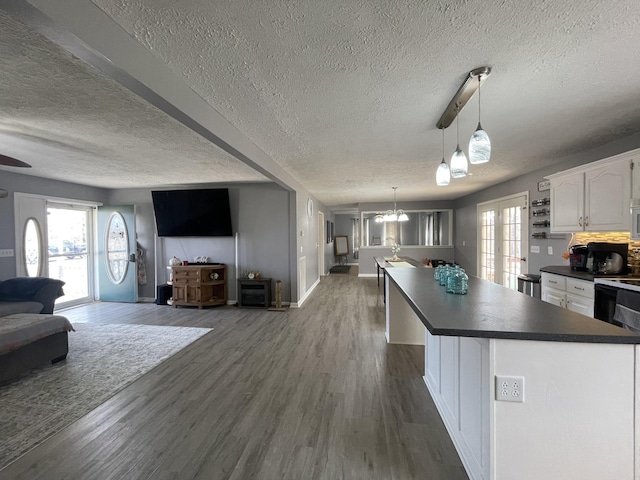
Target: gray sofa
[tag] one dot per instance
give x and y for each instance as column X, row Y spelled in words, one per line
column 21, row 300
column 29, row 295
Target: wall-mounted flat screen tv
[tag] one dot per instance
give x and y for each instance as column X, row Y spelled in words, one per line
column 192, row 213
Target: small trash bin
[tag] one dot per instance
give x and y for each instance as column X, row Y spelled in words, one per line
column 529, row 284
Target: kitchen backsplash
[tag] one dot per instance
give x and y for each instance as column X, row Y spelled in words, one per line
column 583, row 238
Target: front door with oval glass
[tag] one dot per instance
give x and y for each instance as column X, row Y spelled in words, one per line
column 117, row 272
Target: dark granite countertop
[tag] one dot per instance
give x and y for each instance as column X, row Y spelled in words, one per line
column 567, row 272
column 493, row 311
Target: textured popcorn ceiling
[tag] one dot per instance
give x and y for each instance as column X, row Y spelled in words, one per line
column 71, row 123
column 345, row 95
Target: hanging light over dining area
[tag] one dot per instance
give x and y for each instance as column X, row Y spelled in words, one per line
column 395, row 215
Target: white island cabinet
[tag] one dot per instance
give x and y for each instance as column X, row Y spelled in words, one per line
column 569, row 425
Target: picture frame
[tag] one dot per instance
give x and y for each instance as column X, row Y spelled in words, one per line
column 332, row 233
column 329, row 236
column 544, row 185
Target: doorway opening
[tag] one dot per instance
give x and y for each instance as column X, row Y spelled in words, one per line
column 69, row 241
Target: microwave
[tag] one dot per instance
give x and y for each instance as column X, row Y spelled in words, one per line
column 635, row 219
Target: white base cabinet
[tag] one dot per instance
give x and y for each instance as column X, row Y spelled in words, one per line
column 566, row 292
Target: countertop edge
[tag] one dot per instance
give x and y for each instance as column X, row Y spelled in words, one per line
column 619, row 337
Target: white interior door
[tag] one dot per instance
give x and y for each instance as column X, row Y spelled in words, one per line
column 503, row 232
column 320, row 243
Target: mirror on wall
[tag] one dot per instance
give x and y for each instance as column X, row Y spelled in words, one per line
column 424, row 228
column 341, row 245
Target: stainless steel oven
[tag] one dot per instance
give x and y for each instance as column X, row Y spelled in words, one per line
column 606, row 295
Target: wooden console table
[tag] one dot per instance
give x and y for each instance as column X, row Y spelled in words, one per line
column 199, row 285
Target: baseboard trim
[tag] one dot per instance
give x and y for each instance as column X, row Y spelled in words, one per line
column 306, row 295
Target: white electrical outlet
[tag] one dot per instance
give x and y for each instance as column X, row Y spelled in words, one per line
column 509, row 388
column 6, row 252
column 535, row 248
column 550, row 250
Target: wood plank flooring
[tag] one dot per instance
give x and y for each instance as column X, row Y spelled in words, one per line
column 311, row 393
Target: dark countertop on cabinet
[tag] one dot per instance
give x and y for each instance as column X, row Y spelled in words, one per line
column 493, row 311
column 567, row 272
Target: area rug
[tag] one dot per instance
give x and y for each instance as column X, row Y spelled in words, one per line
column 102, row 360
column 340, row 269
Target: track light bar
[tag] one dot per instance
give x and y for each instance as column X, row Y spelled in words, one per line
column 462, row 96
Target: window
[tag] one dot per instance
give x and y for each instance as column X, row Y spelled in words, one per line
column 32, row 248
column 68, row 234
column 502, row 240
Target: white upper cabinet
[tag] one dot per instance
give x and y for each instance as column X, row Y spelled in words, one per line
column 567, row 203
column 607, row 197
column 595, row 197
column 635, row 177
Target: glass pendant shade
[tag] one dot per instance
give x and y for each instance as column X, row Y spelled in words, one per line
column 443, row 175
column 479, row 146
column 459, row 163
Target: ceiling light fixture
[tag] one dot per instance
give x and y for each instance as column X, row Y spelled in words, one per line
column 12, row 162
column 480, row 144
column 459, row 163
column 395, row 215
column 443, row 175
column 462, row 96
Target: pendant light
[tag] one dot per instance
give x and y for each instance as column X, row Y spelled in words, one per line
column 458, row 159
column 443, row 175
column 480, row 144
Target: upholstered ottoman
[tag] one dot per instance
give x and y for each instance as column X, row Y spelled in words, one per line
column 28, row 340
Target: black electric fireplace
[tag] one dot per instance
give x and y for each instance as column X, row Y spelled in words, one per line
column 254, row 292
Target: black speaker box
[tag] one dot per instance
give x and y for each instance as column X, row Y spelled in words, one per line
column 163, row 294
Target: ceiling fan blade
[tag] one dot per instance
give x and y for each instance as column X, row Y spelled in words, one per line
column 12, row 162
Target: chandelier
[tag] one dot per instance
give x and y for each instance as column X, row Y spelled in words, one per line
column 395, row 215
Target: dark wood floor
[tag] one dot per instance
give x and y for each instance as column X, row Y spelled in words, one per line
column 313, row 393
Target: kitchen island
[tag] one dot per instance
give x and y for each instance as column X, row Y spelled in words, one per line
column 576, row 413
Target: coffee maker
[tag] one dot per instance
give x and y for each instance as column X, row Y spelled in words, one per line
column 607, row 258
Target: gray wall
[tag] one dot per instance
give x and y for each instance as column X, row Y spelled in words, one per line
column 260, row 216
column 465, row 229
column 15, row 182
